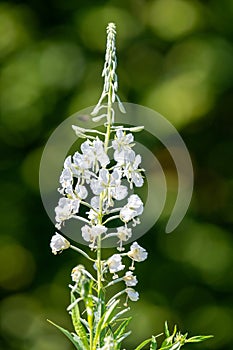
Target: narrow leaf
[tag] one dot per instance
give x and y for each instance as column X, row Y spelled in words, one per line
column 153, row 345
column 99, row 310
column 198, row 338
column 120, row 330
column 174, row 346
column 125, row 335
column 169, row 339
column 105, row 321
column 166, row 330
column 144, row 343
column 78, row 326
column 68, row 335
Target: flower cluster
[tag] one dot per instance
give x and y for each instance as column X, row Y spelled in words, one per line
column 90, row 180
column 89, row 173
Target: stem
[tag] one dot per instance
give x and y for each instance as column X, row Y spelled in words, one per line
column 109, row 117
column 81, row 252
column 88, row 205
column 110, row 76
column 116, row 296
column 114, row 282
column 111, row 218
column 113, row 210
column 109, row 91
column 77, row 217
column 99, row 265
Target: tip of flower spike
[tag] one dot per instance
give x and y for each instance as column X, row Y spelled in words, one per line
column 111, row 27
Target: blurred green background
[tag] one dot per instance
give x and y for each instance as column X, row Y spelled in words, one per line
column 174, row 56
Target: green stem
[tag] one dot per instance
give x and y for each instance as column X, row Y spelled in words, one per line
column 111, row 218
column 99, row 265
column 109, row 117
column 81, row 252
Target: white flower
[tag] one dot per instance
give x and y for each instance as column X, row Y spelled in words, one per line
column 132, row 294
column 95, row 202
column 127, row 214
column 72, row 167
column 124, row 233
column 122, row 145
column 122, row 141
column 137, row 253
column 77, row 273
column 81, row 161
column 135, row 173
column 68, row 162
column 93, row 216
column 131, row 171
column 111, row 183
column 135, row 202
column 81, row 191
column 58, row 243
column 119, row 192
column 133, row 208
column 66, row 209
column 99, row 151
column 66, row 178
column 98, row 185
column 92, row 153
column 90, row 234
column 115, row 264
column 130, row 279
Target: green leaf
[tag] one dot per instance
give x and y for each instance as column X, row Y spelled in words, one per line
column 169, row 339
column 120, row 330
column 78, row 326
column 85, row 288
column 166, row 330
column 125, row 335
column 145, row 342
column 105, row 321
column 198, row 338
column 174, row 346
column 153, row 345
column 69, row 336
column 99, row 310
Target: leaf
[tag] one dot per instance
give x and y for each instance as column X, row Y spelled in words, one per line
column 104, row 321
column 125, row 335
column 120, row 330
column 174, row 346
column 198, row 338
column 85, row 323
column 69, row 336
column 153, row 345
column 106, row 318
column 87, row 295
column 100, row 309
column 145, row 342
column 119, row 314
column 166, row 330
column 169, row 339
column 78, row 326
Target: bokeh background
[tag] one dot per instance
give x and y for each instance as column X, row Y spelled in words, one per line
column 175, row 56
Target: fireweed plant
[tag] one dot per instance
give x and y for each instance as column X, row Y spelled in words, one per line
column 100, row 322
